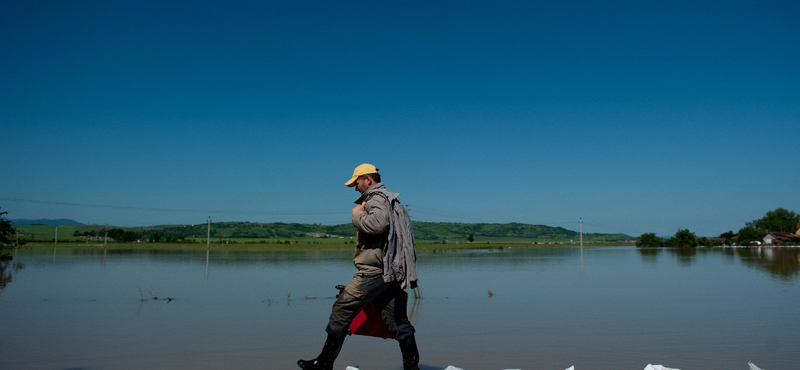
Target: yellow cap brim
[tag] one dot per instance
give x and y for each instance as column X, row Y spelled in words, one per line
column 362, row 169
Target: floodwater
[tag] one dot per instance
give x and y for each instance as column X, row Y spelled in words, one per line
column 520, row 308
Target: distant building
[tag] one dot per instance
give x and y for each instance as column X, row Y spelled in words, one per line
column 782, row 239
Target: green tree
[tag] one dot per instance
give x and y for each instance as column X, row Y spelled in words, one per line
column 5, row 232
column 749, row 234
column 728, row 236
column 649, row 240
column 684, row 239
column 470, row 238
column 123, row 236
column 778, row 220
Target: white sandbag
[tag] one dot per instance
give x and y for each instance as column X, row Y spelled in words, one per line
column 351, row 368
column 658, row 367
column 753, row 366
column 451, row 367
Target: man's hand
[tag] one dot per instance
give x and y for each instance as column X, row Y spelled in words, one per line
column 359, row 208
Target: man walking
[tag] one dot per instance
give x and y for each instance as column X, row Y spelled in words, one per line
column 385, row 258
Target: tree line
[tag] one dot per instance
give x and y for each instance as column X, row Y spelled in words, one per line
column 127, row 236
column 6, row 231
column 423, row 231
column 778, row 220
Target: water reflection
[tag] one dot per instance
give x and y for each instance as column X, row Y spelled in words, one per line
column 596, row 307
column 649, row 255
column 212, row 257
column 7, row 270
column 686, row 256
column 780, row 263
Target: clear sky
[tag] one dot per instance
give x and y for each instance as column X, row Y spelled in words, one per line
column 636, row 116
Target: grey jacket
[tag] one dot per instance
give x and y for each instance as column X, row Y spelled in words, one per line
column 373, row 231
column 385, row 231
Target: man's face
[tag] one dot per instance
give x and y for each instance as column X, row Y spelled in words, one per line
column 363, row 183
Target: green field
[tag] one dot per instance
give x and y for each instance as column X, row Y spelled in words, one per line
column 283, row 236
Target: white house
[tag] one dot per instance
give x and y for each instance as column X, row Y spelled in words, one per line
column 781, row 239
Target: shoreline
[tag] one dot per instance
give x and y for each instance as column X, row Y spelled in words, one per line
column 295, row 246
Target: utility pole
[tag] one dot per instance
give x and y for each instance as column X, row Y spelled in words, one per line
column 581, row 228
column 208, row 234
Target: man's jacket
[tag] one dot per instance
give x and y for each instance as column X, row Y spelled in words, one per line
column 399, row 250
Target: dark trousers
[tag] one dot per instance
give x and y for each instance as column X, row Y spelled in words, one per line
column 388, row 299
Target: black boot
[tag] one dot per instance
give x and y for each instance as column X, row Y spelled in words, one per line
column 408, row 347
column 325, row 359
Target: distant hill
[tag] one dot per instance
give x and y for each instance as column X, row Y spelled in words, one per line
column 507, row 232
column 423, row 231
column 46, row 222
column 427, row 231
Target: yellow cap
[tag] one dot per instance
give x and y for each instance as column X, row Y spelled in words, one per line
column 362, row 169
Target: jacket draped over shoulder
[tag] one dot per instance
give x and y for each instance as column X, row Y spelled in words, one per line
column 385, row 237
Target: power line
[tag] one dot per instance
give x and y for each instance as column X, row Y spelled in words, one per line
column 179, row 210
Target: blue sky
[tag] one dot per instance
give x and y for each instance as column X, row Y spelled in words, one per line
column 636, row 116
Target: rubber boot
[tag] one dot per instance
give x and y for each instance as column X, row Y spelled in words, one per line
column 408, row 347
column 326, row 358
